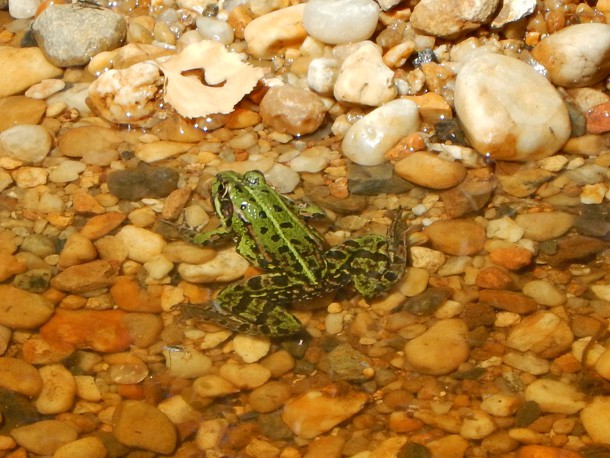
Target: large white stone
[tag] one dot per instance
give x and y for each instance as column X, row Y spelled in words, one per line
column 364, row 78
column 576, row 56
column 367, row 141
column 340, row 21
column 509, row 110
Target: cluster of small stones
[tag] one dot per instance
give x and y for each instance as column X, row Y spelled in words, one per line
column 494, row 343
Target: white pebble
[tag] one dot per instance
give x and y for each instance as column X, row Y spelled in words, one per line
column 282, row 178
column 340, row 21
column 544, row 293
column 30, row 177
column 142, row 245
column 26, row 142
column 45, row 88
column 364, row 77
column 186, row 363
column 215, row 29
column 555, row 396
column 322, row 74
column 23, row 9
column 66, row 171
column 367, row 141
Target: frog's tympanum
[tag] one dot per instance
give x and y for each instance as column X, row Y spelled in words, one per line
column 271, row 234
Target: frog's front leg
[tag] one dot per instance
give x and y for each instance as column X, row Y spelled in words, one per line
column 254, row 306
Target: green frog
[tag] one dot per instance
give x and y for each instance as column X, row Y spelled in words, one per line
column 271, row 233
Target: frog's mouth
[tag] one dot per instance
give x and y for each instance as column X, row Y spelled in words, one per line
column 223, row 205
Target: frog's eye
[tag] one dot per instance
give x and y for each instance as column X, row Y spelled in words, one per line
column 254, row 177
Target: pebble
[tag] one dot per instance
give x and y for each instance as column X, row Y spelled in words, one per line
column 90, row 276
column 597, row 119
column 99, row 225
column 245, row 376
column 26, row 143
column 100, row 330
column 593, row 417
column 142, row 244
column 215, row 29
column 543, row 333
column 136, row 184
column 428, row 354
column 322, row 74
column 18, row 376
column 545, row 451
column 555, row 396
column 251, row 348
column 544, row 226
column 526, row 362
column 346, row 363
column 268, row 34
column 126, row 96
column 89, row 446
column 88, row 140
column 19, row 109
column 368, row 139
column 10, row 265
column 364, row 78
column 45, row 88
column 186, row 363
column 269, row 397
column 77, row 250
column 58, row 390
column 340, row 21
column 213, row 386
column 458, row 237
column 318, row 411
column 449, row 19
column 20, row 68
column 509, row 301
column 30, row 177
column 495, row 97
column 71, row 35
column 23, row 9
column 158, row 151
column 139, row 424
column 501, row 404
column 291, row 110
column 44, row 437
column 129, row 295
column 429, row 170
column 23, row 310
column 544, row 292
column 66, row 171
column 588, row 43
column 143, row 328
column 511, row 257
column 226, row 266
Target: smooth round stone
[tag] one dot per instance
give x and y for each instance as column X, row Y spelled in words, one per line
column 44, row 437
column 456, row 237
column 508, row 110
column 18, row 376
column 89, row 446
column 428, row 353
column 429, row 170
column 544, row 226
column 78, row 249
column 138, row 424
column 269, row 33
column 226, row 266
column 142, row 244
column 20, row 68
column 186, row 363
column 58, row 389
column 245, row 376
column 26, row 143
column 21, row 309
column 594, row 418
column 291, row 110
column 544, row 293
column 66, row 171
column 340, row 21
column 215, row 29
column 23, row 9
column 588, row 44
column 19, row 109
column 367, row 141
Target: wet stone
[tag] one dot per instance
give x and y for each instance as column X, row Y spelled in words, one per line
column 143, row 182
column 22, row 67
column 44, row 437
column 346, row 363
column 26, row 143
column 71, row 35
column 21, row 309
column 86, row 277
column 19, row 109
column 509, row 301
column 427, row 302
column 456, row 237
column 374, row 180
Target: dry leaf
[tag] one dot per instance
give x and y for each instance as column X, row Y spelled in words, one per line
column 190, row 97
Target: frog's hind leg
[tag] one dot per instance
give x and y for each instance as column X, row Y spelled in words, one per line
column 254, row 306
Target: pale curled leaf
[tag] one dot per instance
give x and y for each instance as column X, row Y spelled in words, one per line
column 190, row 97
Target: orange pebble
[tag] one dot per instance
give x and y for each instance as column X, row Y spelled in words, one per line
column 401, row 422
column 511, row 258
column 543, row 451
column 131, row 391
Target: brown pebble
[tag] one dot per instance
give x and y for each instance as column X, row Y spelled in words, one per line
column 493, row 277
column 511, row 258
column 508, row 300
column 101, row 330
column 18, row 376
column 598, row 119
column 41, row 351
column 457, row 237
column 19, row 109
column 129, row 296
column 291, row 110
column 86, row 277
column 21, row 309
column 10, row 265
column 99, row 225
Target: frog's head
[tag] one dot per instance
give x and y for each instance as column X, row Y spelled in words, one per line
column 231, row 188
